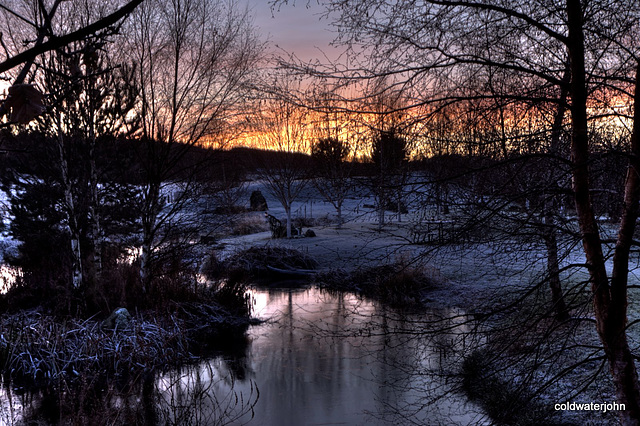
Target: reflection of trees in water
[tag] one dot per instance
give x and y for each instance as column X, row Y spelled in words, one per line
column 203, row 394
column 200, row 394
column 411, row 361
column 420, row 360
column 513, row 360
column 323, row 357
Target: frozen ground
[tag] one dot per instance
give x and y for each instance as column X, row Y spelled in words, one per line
column 468, row 272
column 471, row 275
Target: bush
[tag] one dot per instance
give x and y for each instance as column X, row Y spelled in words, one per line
column 397, row 284
column 503, row 401
column 254, row 262
column 250, row 224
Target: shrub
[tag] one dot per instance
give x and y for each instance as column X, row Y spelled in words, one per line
column 249, row 224
column 397, row 284
column 504, row 401
column 253, row 263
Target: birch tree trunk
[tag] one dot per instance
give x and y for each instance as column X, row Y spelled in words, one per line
column 288, row 211
column 94, row 201
column 72, row 223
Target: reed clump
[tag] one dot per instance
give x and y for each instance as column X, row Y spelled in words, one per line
column 38, row 348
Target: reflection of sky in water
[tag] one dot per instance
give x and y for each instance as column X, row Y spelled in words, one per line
column 336, row 359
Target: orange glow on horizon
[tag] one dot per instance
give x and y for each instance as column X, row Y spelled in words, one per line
column 463, row 128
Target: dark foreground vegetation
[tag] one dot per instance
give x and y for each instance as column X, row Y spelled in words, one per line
column 397, row 284
column 40, row 347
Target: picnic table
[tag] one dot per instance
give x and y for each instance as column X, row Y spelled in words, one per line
column 431, row 231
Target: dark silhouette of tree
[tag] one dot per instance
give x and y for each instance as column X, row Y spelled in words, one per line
column 35, row 28
column 389, row 156
column 332, row 171
column 282, row 126
column 90, row 98
column 89, row 105
column 194, row 58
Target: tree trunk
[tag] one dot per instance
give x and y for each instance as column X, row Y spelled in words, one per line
column 380, row 202
column 145, row 260
column 149, row 218
column 609, row 299
column 94, row 203
column 288, row 211
column 72, row 223
column 553, row 268
column 621, row 359
column 550, row 232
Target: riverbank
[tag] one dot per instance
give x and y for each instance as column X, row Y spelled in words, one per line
column 37, row 349
column 485, row 288
column 456, row 276
column 524, row 351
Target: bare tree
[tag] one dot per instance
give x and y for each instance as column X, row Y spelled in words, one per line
column 283, row 127
column 34, row 28
column 389, row 156
column 193, row 58
column 332, row 171
column 70, row 73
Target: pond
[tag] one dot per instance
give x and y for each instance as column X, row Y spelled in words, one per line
column 335, row 358
column 319, row 358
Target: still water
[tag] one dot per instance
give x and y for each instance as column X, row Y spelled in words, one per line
column 333, row 358
column 319, row 358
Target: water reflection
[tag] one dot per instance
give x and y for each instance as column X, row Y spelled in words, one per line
column 338, row 359
column 203, row 394
column 320, row 358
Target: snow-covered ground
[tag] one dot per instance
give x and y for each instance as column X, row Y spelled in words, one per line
column 470, row 271
column 472, row 275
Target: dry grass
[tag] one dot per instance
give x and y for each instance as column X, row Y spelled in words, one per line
column 37, row 348
column 249, row 224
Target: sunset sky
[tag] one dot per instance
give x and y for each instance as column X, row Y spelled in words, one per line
column 296, row 28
